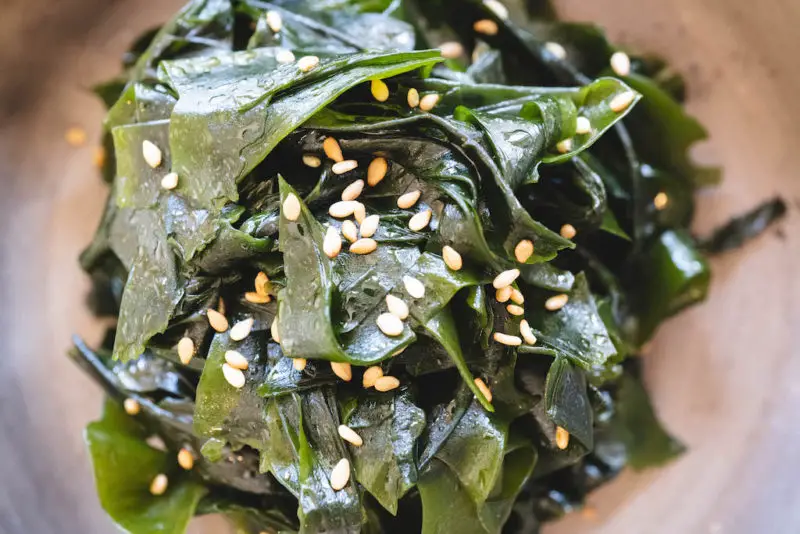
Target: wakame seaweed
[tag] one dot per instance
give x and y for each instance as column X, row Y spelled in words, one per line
column 251, row 331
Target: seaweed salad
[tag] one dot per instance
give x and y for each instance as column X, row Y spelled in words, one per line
column 385, row 266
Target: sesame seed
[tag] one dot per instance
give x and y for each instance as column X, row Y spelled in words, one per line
column 332, row 244
column 583, row 126
column 169, row 181
column 284, row 56
column 254, row 298
column 75, row 136
column 360, row 212
column 420, row 220
column 399, row 352
column 414, row 287
column 568, row 231
column 241, row 330
column 451, row 49
column 365, row 245
column 151, row 153
column 310, row 160
column 556, row 49
column 515, row 310
column 620, row 63
column 524, row 250
column 386, row 383
column 557, row 302
column 379, row 90
column 484, row 389
column 526, row 332
column 564, row 146
column 350, row 436
column 99, row 157
column 660, row 200
column 185, row 350
column 221, row 306
column 486, row 27
column 217, row 321
column 376, row 171
column 622, row 101
column 506, row 339
column 452, row 258
column 562, row 438
column 236, row 360
column 332, row 149
column 274, row 21
column 340, row 474
column 371, row 375
column 390, row 324
column 291, row 207
column 234, row 377
column 343, row 370
column 262, row 283
column 299, row 364
column 428, row 101
column 503, row 294
column 306, row 63
column 273, row 330
column 516, row 296
column 132, row 406
column 352, row 191
column 506, row 278
column 497, row 8
column 350, row 231
column 342, row 167
column 159, row 484
column 342, row 209
column 412, row 98
column 407, row 200
column 397, row 307
column 370, row 225
column 185, row 459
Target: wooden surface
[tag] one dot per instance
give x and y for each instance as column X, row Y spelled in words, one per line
column 725, row 376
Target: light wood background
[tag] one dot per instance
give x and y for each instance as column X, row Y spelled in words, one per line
column 725, row 376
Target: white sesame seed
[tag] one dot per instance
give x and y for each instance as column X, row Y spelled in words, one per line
column 506, row 339
column 564, row 146
column 340, row 474
column 486, row 27
column 132, row 406
column 583, row 126
column 236, row 360
column 242, row 329
column 506, row 278
column 622, row 101
column 342, row 209
column 526, row 332
column 390, row 324
column 516, row 296
column 350, row 435
column 451, row 49
column 397, row 307
column 420, row 220
column 503, row 294
column 414, row 287
column 185, row 350
column 332, row 244
column 310, row 160
column 170, row 181
column 273, row 330
column 352, row 191
column 484, row 389
column 234, row 377
column 428, row 101
column 620, row 63
column 159, row 484
column 660, row 201
column 516, row 310
column 274, row 21
column 350, row 231
column 524, row 250
column 379, row 90
column 217, row 321
column 341, row 167
column 371, row 375
column 185, row 459
column 407, row 200
column 376, row 171
column 413, row 98
column 262, row 283
column 359, row 212
column 291, row 207
column 452, row 258
column 497, row 8
column 365, row 245
column 254, row 298
column 386, row 383
column 370, row 225
column 332, row 149
column 284, row 56
column 299, row 364
column 343, row 370
column 306, row 63
column 562, row 438
column 151, row 153
column 568, row 231
column 557, row 302
column 556, row 49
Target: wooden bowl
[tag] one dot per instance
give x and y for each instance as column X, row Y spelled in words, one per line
column 724, row 376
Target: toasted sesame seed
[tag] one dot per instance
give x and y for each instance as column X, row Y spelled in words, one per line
column 379, row 90
column 414, row 287
column 262, row 283
column 506, row 278
column 427, row 102
column 556, row 49
column 486, row 27
column 350, row 435
column 340, row 474
column 332, row 244
column 622, row 101
column 342, row 209
column 390, row 324
column 132, row 406
column 185, row 350
column 99, row 157
column 306, row 63
column 526, row 332
column 562, row 438
column 159, row 484
column 412, row 98
column 407, row 200
column 185, row 459
column 370, row 225
column 234, row 376
column 241, row 330
column 399, row 352
column 343, row 370
column 568, row 231
column 360, row 212
column 452, row 258
column 332, row 149
column 524, row 250
column 274, row 21
column 376, row 171
column 299, row 364
column 151, row 153
column 217, row 321
column 564, row 146
column 497, row 8
column 420, row 220
column 371, row 375
column 557, row 302
column 349, row 231
column 221, row 306
column 291, row 207
column 310, row 160
column 342, row 167
column 386, row 383
column 515, row 309
column 273, row 330
column 397, row 307
column 620, row 63
column 365, row 245
column 516, row 296
column 352, row 191
column 506, row 339
column 169, row 181
column 503, row 294
column 451, row 49
column 254, row 298
column 236, row 360
column 284, row 56
column 484, row 389
column 583, row 126
column 661, row 200
column 75, row 136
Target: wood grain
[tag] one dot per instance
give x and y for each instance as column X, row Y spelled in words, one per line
column 724, row 375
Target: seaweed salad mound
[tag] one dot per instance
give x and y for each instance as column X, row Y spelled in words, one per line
column 385, row 266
